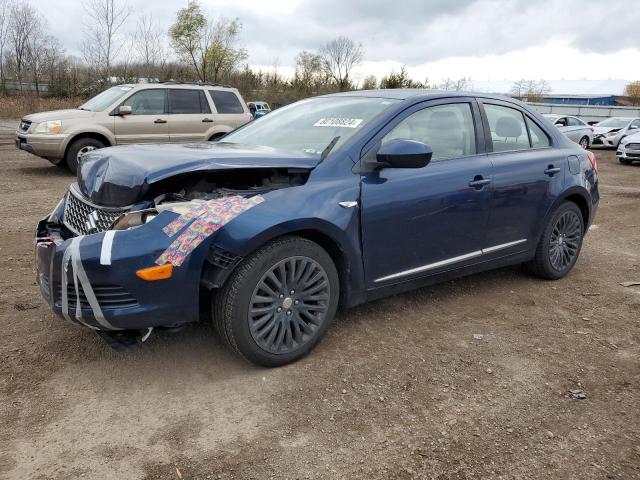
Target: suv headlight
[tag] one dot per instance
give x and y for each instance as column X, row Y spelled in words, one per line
column 134, row 219
column 52, row 126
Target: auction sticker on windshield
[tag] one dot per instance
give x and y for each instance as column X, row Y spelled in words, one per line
column 338, row 122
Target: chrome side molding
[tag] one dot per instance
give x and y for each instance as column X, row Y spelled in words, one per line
column 450, row 261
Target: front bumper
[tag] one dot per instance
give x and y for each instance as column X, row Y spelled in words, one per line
column 125, row 302
column 609, row 142
column 48, row 146
column 627, row 154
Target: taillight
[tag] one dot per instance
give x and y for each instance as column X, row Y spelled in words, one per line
column 592, row 158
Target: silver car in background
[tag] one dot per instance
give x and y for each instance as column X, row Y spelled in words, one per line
column 629, row 149
column 609, row 132
column 574, row 128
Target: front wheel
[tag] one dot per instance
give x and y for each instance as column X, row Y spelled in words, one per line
column 78, row 148
column 560, row 244
column 279, row 302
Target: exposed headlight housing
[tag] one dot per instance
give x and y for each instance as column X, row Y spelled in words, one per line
column 134, row 219
column 51, row 126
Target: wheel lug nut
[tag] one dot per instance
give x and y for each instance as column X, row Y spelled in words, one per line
column 296, row 302
column 288, row 312
column 279, row 309
column 282, row 295
column 292, row 292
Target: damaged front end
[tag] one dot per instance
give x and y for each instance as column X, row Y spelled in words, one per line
column 91, row 249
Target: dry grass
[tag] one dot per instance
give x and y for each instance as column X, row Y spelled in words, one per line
column 17, row 106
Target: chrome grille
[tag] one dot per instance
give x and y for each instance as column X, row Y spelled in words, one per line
column 83, row 217
column 24, row 125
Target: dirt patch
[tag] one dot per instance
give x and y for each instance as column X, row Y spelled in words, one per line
column 467, row 379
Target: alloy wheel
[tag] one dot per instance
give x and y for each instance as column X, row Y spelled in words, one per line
column 584, row 142
column 83, row 150
column 289, row 304
column 565, row 240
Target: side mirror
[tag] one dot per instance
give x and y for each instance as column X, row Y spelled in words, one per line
column 403, row 153
column 124, row 110
column 633, row 127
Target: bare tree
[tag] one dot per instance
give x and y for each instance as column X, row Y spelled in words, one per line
column 24, row 21
column 340, row 56
column 149, row 45
column 103, row 40
column 458, row 85
column 4, row 36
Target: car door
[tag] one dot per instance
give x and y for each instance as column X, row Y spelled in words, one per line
column 421, row 221
column 147, row 122
column 576, row 129
column 527, row 176
column 189, row 114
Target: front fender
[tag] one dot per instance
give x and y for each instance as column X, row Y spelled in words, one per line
column 309, row 210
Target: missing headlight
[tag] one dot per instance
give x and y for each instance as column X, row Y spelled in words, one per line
column 134, row 219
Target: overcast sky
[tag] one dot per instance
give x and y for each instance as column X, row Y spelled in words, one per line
column 481, row 39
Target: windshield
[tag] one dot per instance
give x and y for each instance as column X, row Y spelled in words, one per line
column 310, row 125
column 614, row 122
column 105, row 99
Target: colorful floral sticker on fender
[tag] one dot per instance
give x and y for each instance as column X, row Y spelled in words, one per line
column 204, row 220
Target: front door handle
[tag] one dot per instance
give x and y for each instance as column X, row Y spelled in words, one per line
column 160, row 120
column 207, row 120
column 478, row 182
column 551, row 170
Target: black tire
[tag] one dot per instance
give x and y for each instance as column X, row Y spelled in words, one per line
column 235, row 319
column 584, row 142
column 217, row 136
column 557, row 253
column 624, row 161
column 78, row 146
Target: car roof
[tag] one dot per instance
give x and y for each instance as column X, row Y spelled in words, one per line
column 415, row 93
column 177, row 85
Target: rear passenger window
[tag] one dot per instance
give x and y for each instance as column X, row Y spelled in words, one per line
column 508, row 130
column 447, row 129
column 574, row 122
column 187, row 101
column 226, row 102
column 539, row 139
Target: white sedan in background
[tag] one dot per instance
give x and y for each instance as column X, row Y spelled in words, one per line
column 609, row 132
column 574, row 128
column 629, row 149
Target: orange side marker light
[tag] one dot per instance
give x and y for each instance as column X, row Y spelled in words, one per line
column 158, row 272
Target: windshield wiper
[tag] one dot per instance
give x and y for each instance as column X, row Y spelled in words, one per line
column 328, row 149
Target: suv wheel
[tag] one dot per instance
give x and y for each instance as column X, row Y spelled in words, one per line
column 79, row 148
column 278, row 303
column 560, row 244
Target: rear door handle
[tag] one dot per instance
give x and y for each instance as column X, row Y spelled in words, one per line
column 551, row 170
column 207, row 120
column 478, row 182
column 160, row 120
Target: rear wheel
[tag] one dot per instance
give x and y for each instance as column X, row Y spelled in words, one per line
column 584, row 142
column 78, row 148
column 279, row 302
column 560, row 244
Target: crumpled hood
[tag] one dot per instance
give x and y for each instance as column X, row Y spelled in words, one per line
column 121, row 176
column 58, row 115
column 601, row 130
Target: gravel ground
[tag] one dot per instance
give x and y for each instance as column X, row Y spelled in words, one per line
column 467, row 379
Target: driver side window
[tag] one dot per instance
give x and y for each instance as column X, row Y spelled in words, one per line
column 147, row 102
column 447, row 129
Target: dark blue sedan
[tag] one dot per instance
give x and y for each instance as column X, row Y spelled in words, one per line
column 326, row 203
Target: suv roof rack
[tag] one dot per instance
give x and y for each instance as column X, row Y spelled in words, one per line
column 174, row 82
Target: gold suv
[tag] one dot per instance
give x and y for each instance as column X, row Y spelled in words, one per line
column 140, row 113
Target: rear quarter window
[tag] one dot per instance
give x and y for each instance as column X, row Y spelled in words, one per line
column 226, row 102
